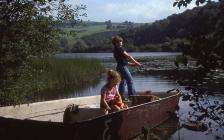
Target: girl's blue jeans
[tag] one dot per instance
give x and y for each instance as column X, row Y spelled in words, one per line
column 126, row 77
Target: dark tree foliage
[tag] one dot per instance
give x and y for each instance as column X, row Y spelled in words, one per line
column 29, row 28
column 169, row 30
column 207, row 40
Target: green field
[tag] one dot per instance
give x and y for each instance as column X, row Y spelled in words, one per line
column 81, row 31
column 73, row 38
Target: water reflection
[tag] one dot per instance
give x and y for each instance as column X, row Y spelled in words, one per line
column 152, row 82
column 203, row 90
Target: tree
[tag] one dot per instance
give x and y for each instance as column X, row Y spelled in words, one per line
column 128, row 24
column 30, row 28
column 207, row 40
column 109, row 24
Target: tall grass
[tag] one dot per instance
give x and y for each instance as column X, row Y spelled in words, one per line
column 62, row 73
column 50, row 74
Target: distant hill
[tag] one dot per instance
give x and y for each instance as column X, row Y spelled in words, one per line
column 169, row 34
column 172, row 33
column 89, row 36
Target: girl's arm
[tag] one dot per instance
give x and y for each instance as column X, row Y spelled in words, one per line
column 118, row 93
column 103, row 100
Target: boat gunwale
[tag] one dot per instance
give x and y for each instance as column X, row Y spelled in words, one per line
column 129, row 108
column 100, row 116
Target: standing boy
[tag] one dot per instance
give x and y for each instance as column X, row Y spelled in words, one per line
column 123, row 59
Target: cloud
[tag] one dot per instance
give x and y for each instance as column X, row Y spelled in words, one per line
column 131, row 10
column 142, row 10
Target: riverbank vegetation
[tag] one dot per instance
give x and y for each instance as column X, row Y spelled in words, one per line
column 47, row 75
column 29, row 29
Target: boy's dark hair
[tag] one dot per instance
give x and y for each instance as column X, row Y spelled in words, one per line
column 116, row 39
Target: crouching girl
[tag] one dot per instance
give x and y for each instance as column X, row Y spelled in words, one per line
column 110, row 96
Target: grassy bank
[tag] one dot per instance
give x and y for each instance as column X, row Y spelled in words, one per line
column 47, row 75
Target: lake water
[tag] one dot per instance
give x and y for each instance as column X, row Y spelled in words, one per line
column 158, row 75
column 142, row 81
column 101, row 56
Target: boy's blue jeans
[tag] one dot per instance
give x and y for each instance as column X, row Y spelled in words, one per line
column 126, row 76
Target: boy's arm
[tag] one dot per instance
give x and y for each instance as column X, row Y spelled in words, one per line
column 133, row 61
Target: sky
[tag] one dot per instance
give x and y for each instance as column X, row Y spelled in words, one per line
column 138, row 11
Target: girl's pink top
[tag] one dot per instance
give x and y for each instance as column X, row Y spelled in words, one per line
column 109, row 93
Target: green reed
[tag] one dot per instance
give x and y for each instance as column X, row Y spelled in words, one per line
column 50, row 74
column 61, row 73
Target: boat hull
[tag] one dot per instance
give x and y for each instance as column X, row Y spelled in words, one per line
column 120, row 125
column 127, row 124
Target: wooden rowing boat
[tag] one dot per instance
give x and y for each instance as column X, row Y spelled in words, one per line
column 44, row 120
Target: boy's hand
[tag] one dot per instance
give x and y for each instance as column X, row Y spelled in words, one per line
column 138, row 64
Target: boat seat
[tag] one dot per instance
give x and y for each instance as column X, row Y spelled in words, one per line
column 74, row 114
column 141, row 99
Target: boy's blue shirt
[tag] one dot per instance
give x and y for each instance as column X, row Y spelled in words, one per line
column 119, row 56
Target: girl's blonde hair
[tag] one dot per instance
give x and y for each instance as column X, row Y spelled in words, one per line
column 113, row 76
